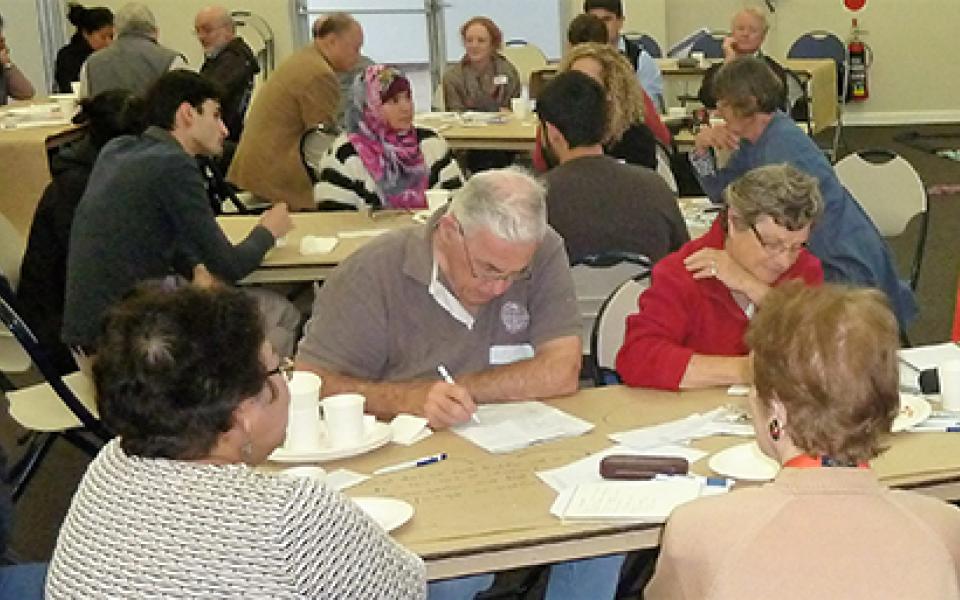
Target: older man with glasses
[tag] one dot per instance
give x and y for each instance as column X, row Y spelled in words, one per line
column 229, row 61
column 482, row 288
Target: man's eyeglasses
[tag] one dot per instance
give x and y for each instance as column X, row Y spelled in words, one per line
column 486, row 273
column 285, row 368
column 776, row 247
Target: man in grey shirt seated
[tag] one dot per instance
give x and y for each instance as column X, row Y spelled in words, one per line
column 483, row 288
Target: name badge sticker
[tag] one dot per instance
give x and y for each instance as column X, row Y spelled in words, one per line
column 500, row 80
column 510, row 353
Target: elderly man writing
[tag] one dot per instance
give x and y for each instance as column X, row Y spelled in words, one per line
column 483, row 288
column 229, row 61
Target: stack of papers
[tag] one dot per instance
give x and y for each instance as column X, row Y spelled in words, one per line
column 511, row 426
column 587, row 470
column 651, row 500
column 695, row 426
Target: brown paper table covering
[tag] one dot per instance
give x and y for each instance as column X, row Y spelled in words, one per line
column 478, row 511
column 24, row 170
column 286, row 264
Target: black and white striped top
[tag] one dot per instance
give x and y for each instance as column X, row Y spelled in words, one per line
column 156, row 528
column 346, row 183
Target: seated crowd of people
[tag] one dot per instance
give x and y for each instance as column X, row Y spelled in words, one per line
column 129, row 277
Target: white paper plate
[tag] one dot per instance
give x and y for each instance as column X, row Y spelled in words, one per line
column 389, row 513
column 914, row 409
column 744, row 461
column 306, row 472
column 374, row 436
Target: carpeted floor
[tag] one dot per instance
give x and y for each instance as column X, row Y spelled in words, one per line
column 41, row 510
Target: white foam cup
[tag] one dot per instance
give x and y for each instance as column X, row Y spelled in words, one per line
column 304, row 428
column 76, row 86
column 437, row 198
column 700, row 57
column 949, row 373
column 304, row 389
column 343, row 416
column 520, row 107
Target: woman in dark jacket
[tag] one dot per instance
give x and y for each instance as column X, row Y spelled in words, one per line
column 94, row 31
column 43, row 273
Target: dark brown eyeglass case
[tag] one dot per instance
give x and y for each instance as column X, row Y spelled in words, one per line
column 626, row 466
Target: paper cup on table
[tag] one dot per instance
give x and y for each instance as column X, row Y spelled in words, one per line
column 67, row 103
column 437, row 198
column 76, row 88
column 304, row 389
column 700, row 57
column 343, row 416
column 520, row 107
column 949, row 373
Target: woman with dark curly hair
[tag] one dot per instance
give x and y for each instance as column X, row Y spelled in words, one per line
column 172, row 506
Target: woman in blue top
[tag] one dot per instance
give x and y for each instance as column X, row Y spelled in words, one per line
column 757, row 133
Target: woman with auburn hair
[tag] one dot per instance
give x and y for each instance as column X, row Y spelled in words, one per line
column 827, row 391
column 629, row 137
column 483, row 79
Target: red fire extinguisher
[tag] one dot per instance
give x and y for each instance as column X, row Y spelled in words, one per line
column 859, row 62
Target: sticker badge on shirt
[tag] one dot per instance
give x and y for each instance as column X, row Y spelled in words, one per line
column 500, row 80
column 515, row 317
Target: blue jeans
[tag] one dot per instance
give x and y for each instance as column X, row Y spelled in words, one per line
column 587, row 579
column 23, row 582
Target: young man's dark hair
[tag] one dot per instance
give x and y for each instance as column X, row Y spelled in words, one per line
column 586, row 28
column 614, row 6
column 576, row 105
column 173, row 89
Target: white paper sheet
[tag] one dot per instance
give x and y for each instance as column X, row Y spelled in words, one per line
column 680, row 430
column 514, row 425
column 652, row 500
column 409, row 429
column 315, row 244
column 587, row 469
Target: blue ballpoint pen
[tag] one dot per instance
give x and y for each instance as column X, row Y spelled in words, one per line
column 446, row 377
column 411, row 464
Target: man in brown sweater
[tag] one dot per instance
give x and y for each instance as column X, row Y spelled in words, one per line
column 303, row 92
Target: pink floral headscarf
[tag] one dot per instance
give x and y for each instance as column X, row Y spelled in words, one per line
column 392, row 157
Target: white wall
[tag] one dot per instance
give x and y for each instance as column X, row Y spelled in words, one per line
column 914, row 78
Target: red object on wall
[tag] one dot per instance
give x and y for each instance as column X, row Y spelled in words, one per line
column 858, row 91
column 854, row 4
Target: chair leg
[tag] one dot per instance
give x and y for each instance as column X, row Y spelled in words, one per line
column 25, row 468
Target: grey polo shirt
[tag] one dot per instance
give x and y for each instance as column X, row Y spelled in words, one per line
column 375, row 319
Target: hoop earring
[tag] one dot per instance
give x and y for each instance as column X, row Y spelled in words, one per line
column 775, row 430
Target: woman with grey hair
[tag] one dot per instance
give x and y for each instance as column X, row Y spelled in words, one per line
column 689, row 330
column 382, row 160
column 757, row 133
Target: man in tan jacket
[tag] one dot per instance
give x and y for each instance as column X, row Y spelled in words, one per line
column 303, row 92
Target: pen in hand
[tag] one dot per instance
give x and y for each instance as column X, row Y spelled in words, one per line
column 446, row 377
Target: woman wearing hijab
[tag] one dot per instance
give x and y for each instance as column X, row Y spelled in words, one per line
column 94, row 31
column 383, row 160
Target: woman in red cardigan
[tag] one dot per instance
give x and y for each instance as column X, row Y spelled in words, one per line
column 689, row 330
